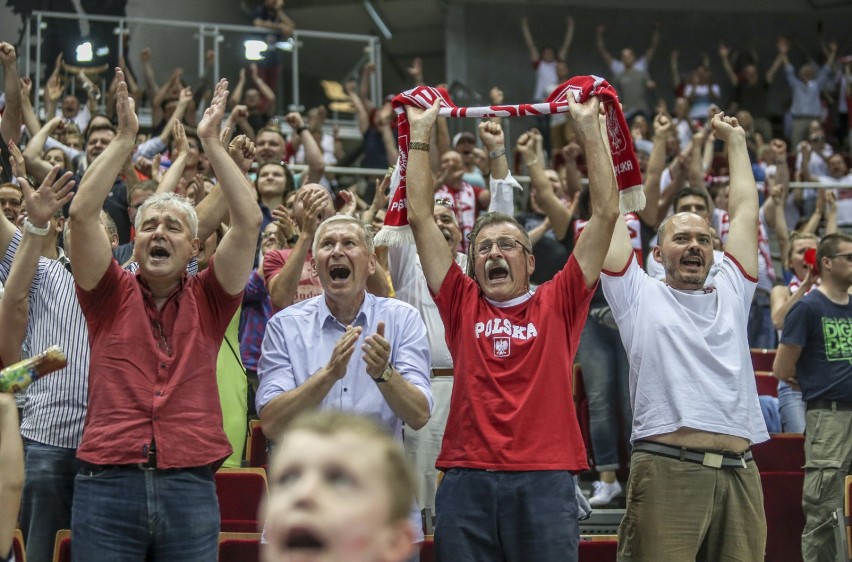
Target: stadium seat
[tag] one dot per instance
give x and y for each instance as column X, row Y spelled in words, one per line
column 256, row 455
column 18, row 546
column 767, row 385
column 762, row 359
column 782, row 502
column 784, row 452
column 427, row 549
column 598, row 548
column 239, row 547
column 240, row 491
column 62, row 546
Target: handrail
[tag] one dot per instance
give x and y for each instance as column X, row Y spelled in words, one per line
column 204, row 30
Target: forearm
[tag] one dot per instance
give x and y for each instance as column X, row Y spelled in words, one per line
column 654, row 171
column 313, row 156
column 780, row 309
column 11, row 472
column 99, row 178
column 31, row 120
column 283, row 287
column 242, row 207
column 172, row 176
column 538, row 232
column 282, row 409
column 406, row 400
column 390, row 144
column 14, row 306
column 10, row 126
column 560, row 218
column 742, row 200
column 212, row 211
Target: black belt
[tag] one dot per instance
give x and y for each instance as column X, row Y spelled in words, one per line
column 829, row 405
column 713, row 459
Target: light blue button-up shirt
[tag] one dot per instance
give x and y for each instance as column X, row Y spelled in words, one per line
column 300, row 339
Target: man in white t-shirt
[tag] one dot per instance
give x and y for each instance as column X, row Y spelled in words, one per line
column 693, row 485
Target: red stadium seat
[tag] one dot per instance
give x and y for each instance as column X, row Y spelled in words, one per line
column 784, row 452
column 256, row 446
column 603, row 548
column 762, row 359
column 239, row 547
column 62, row 546
column 18, row 546
column 427, row 549
column 240, row 491
column 767, row 385
column 782, row 502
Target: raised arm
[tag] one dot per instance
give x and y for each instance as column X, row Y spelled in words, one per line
column 233, row 262
column 37, row 166
column 360, row 109
column 653, row 173
column 742, row 203
column 435, row 255
column 599, row 43
column 569, row 37
column 89, row 243
column 262, row 87
column 313, row 153
column 10, row 126
column 41, row 205
column 151, row 86
column 592, row 245
column 528, row 39
column 655, row 42
column 725, row 55
column 557, row 214
column 170, row 179
column 28, row 114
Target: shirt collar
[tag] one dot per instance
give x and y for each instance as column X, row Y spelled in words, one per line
column 511, row 302
column 363, row 317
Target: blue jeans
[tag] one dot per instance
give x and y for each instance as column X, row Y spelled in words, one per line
column 761, row 331
column 48, row 492
column 126, row 514
column 605, row 377
column 792, row 409
column 506, row 516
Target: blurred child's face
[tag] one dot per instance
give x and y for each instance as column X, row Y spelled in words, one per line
column 328, row 500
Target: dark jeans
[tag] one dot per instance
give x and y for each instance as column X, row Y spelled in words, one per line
column 511, row 516
column 48, row 492
column 124, row 514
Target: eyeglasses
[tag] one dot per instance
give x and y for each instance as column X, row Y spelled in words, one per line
column 848, row 257
column 270, row 234
column 505, row 243
column 448, row 203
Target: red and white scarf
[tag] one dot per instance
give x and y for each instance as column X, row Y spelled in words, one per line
column 396, row 229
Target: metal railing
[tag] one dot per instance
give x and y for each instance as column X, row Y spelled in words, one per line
column 204, row 31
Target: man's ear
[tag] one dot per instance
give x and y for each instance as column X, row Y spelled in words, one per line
column 371, row 265
column 196, row 246
column 314, row 267
column 530, row 264
column 658, row 256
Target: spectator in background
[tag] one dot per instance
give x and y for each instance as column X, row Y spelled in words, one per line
column 751, row 89
column 464, row 143
column 701, row 93
column 468, row 201
column 814, row 356
column 806, row 86
column 630, row 75
column 271, row 17
column 258, row 99
column 545, row 63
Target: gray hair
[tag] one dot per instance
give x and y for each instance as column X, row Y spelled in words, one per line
column 365, row 230
column 169, row 201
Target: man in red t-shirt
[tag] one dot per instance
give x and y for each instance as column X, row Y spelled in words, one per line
column 153, row 434
column 512, row 440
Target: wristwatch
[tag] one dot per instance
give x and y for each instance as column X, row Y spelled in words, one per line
column 385, row 376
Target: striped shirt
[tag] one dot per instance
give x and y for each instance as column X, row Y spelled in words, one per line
column 55, row 406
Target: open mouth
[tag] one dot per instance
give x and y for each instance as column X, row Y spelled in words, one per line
column 497, row 272
column 159, row 252
column 692, row 261
column 301, row 538
column 339, row 272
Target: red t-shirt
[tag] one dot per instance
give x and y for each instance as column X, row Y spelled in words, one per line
column 309, row 284
column 138, row 390
column 512, row 406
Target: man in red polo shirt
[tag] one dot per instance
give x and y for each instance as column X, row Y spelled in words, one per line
column 153, row 432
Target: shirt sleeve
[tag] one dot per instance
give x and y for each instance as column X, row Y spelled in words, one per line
column 255, row 288
column 616, row 66
column 222, row 305
column 401, row 265
column 622, row 288
column 796, row 325
column 410, row 352
column 503, row 194
column 274, row 369
column 100, row 303
column 273, row 262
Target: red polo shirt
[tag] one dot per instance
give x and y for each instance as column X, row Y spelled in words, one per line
column 152, row 374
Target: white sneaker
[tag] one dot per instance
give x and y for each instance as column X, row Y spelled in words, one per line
column 604, row 493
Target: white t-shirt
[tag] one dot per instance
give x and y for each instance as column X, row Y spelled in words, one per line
column 689, row 357
column 617, row 67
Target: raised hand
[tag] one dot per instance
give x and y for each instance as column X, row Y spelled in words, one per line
column 491, row 134
column 313, row 204
column 125, row 108
column 295, row 120
column 350, row 203
column 662, row 126
column 181, row 144
column 586, row 115
column 727, row 128
column 145, row 55
column 54, row 88
column 241, row 151
column 526, row 144
column 7, row 54
column 19, row 166
column 286, row 227
column 376, row 352
column 342, row 353
column 43, row 203
column 211, row 122
column 421, row 121
column 185, row 95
